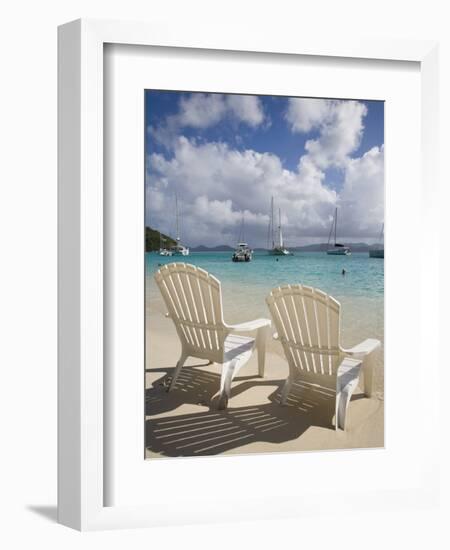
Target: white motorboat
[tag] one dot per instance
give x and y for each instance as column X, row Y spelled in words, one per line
column 243, row 253
column 163, row 250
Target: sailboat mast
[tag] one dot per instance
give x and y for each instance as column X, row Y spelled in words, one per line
column 241, row 230
column 280, row 236
column 176, row 214
column 335, row 225
column 271, row 218
column 329, row 234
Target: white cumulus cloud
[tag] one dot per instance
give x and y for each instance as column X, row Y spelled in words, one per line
column 246, row 108
column 201, row 111
column 217, row 184
column 362, row 196
column 304, row 114
column 340, row 134
column 339, row 123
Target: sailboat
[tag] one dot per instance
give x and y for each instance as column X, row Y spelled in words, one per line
column 243, row 253
column 178, row 249
column 163, row 251
column 278, row 248
column 377, row 250
column 336, row 249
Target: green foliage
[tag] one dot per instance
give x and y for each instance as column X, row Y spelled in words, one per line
column 153, row 241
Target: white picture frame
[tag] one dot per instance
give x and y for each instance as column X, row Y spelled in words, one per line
column 82, row 484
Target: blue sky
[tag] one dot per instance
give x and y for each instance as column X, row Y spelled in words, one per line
column 225, row 156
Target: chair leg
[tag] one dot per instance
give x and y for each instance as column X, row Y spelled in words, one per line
column 285, row 391
column 261, row 339
column 368, row 375
column 228, row 369
column 223, row 401
column 346, row 383
column 180, row 363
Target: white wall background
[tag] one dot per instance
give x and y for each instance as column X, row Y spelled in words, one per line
column 28, row 266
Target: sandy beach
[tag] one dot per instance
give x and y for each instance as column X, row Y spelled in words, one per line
column 184, row 422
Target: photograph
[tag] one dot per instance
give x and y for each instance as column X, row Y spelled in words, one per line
column 264, row 274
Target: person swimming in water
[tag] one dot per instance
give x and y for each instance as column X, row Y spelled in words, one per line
column 343, row 271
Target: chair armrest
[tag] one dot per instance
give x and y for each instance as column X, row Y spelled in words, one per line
column 250, row 325
column 362, row 349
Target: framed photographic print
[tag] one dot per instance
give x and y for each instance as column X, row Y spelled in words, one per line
column 227, row 309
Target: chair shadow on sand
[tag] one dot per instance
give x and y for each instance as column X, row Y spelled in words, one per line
column 213, row 431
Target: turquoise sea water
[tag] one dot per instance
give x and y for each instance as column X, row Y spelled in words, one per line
column 245, row 285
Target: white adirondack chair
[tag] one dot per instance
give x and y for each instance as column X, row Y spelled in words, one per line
column 308, row 326
column 193, row 298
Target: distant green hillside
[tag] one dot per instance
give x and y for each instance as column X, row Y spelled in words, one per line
column 152, row 240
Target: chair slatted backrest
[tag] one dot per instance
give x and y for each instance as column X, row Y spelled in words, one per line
column 193, row 298
column 307, row 322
